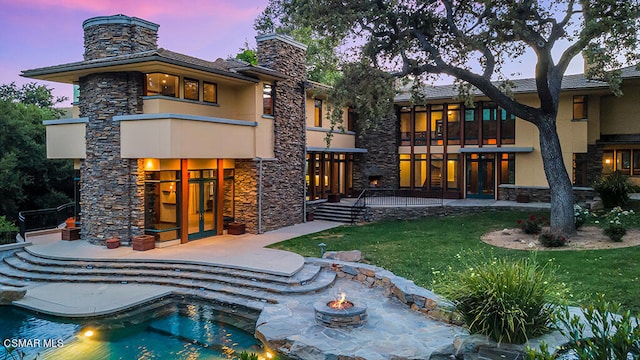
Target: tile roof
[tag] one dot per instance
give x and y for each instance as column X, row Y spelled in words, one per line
column 521, row 86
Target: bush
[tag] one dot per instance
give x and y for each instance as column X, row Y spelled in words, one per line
column 614, row 189
column 580, row 215
column 506, row 300
column 533, row 224
column 549, row 239
column 8, row 231
column 616, row 334
column 616, row 223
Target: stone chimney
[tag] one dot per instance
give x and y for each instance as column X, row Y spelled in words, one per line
column 106, row 36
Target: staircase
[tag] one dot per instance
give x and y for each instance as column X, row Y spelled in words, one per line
column 251, row 289
column 344, row 212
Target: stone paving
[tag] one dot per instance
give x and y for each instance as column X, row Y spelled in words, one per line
column 392, row 330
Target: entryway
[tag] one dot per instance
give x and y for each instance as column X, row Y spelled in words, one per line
column 481, row 175
column 202, row 203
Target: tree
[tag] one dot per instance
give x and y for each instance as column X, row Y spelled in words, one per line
column 29, row 180
column 471, row 41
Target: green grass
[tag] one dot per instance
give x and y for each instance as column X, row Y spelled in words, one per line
column 415, row 249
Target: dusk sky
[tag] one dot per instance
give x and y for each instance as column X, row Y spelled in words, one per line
column 39, row 33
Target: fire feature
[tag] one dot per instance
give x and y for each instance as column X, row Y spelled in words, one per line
column 340, row 313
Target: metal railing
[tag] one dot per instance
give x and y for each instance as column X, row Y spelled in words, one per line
column 399, row 197
column 33, row 220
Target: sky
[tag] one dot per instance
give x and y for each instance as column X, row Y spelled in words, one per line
column 39, row 33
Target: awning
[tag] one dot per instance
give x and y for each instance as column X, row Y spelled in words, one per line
column 497, row 150
column 335, row 150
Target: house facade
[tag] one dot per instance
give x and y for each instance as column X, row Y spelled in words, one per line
column 178, row 147
column 481, row 151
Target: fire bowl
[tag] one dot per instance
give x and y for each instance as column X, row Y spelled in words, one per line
column 352, row 315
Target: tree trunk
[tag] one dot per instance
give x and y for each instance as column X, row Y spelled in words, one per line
column 562, row 215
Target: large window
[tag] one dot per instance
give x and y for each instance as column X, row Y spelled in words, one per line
column 453, row 166
column 420, row 171
column 489, row 123
column 191, row 89
column 436, row 124
column 162, row 202
column 210, row 92
column 436, row 172
column 161, row 84
column 579, row 107
column 420, row 138
column 405, row 126
column 329, row 173
column 317, row 113
column 471, row 127
column 453, row 124
column 267, row 99
column 507, row 128
column 405, row 170
column 624, row 160
column 507, row 168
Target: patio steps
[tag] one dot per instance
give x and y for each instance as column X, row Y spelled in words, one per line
column 338, row 212
column 249, row 288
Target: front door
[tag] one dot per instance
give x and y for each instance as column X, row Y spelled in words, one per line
column 202, row 204
column 481, row 176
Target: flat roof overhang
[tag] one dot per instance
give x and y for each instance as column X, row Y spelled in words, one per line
column 71, row 73
column 497, row 150
column 336, row 150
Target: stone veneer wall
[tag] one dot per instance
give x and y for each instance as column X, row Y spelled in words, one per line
column 382, row 157
column 282, row 177
column 246, row 194
column 112, row 188
column 417, row 212
column 541, row 193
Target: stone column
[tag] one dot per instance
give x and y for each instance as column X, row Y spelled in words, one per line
column 382, row 159
column 112, row 188
column 283, row 186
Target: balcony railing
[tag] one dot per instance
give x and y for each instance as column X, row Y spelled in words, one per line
column 33, row 220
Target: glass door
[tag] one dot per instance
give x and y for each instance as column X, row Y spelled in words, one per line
column 202, row 204
column 480, row 176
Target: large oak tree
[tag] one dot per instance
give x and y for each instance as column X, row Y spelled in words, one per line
column 471, row 41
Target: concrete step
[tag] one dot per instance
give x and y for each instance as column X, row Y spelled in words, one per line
column 304, row 275
column 338, row 213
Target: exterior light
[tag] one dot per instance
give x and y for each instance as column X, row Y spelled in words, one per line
column 322, row 246
column 88, row 333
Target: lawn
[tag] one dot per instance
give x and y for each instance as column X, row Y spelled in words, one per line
column 416, row 249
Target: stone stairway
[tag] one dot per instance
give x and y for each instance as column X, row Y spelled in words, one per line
column 251, row 289
column 339, row 212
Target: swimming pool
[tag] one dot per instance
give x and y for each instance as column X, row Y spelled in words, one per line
column 172, row 330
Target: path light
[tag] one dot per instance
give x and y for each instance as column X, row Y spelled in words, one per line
column 322, row 246
column 88, row 333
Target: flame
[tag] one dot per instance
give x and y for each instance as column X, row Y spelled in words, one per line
column 339, row 303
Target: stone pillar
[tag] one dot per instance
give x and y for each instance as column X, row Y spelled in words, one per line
column 112, row 188
column 382, row 159
column 283, row 183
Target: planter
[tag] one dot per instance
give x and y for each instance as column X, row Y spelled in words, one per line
column 333, row 198
column 113, row 243
column 143, row 242
column 236, row 228
column 70, row 234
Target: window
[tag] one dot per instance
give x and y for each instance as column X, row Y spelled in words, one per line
column 470, row 127
column 436, row 124
column 267, row 99
column 191, row 89
column 607, row 162
column 161, row 84
column 453, row 124
column 489, row 123
column 579, row 107
column 405, row 170
column 452, row 171
column 420, row 127
column 623, row 161
column 636, row 162
column 580, row 169
column 405, row 126
column 507, row 128
column 317, row 119
column 507, row 168
column 436, row 172
column 420, row 171
column 162, row 204
column 351, row 119
column 210, row 92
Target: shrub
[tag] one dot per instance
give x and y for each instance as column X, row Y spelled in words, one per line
column 616, row 334
column 614, row 189
column 616, row 223
column 580, row 215
column 549, row 239
column 532, row 224
column 8, row 231
column 506, row 300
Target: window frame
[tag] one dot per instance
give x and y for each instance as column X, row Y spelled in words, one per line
column 184, row 88
column 317, row 112
column 585, row 107
column 177, row 85
column 204, row 98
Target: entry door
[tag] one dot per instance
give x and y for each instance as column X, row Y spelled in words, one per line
column 481, row 176
column 202, row 204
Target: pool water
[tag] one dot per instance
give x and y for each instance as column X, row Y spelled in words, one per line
column 177, row 332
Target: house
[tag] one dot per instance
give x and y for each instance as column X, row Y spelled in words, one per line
column 178, row 147
column 482, row 151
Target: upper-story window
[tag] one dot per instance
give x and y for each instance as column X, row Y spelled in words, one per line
column 579, row 107
column 453, row 124
column 436, row 124
column 317, row 119
column 210, row 92
column 351, row 119
column 267, row 99
column 161, row 84
column 191, row 89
